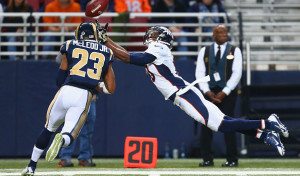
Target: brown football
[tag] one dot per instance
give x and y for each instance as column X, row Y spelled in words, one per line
column 96, row 7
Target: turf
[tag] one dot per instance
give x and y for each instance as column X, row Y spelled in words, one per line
column 179, row 165
column 162, row 163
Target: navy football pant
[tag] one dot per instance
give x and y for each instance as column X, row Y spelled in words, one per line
column 205, row 112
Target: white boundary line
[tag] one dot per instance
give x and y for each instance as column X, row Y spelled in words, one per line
column 159, row 173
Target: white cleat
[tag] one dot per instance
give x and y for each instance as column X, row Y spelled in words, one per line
column 278, row 126
column 28, row 171
column 55, row 147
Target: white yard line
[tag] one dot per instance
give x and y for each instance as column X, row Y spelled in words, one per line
column 161, row 173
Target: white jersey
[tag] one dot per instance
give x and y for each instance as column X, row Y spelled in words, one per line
column 162, row 70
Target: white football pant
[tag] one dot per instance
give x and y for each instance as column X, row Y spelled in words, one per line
column 195, row 105
column 70, row 105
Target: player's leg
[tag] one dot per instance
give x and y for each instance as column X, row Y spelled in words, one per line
column 54, row 119
column 78, row 102
column 266, row 134
column 265, row 130
column 220, row 122
column 195, row 105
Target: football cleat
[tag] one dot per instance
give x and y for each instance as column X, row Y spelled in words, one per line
column 278, row 126
column 28, row 171
column 55, row 147
column 273, row 139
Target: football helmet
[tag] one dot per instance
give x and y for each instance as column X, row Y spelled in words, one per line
column 87, row 31
column 160, row 34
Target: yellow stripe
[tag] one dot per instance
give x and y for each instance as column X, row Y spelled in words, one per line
column 76, row 32
column 82, row 118
column 95, row 31
column 67, row 44
column 111, row 54
column 50, row 108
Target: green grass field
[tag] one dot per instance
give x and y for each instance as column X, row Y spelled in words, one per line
column 164, row 167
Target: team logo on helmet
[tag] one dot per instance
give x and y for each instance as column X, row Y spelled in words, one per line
column 86, row 31
column 160, row 34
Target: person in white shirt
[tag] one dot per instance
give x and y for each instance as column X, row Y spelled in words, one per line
column 223, row 62
column 158, row 60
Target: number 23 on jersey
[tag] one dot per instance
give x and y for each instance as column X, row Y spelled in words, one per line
column 95, row 71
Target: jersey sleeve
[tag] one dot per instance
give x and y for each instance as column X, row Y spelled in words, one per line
column 158, row 50
column 64, row 47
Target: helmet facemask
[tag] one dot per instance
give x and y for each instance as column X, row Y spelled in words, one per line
column 159, row 34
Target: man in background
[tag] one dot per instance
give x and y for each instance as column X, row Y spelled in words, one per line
column 223, row 62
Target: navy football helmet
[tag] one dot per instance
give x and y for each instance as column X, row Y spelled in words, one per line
column 160, row 34
column 87, row 31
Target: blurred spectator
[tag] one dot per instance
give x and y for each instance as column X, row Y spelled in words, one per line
column 170, row 6
column 131, row 6
column 1, row 10
column 4, row 3
column 42, row 5
column 60, row 6
column 83, row 4
column 18, row 6
column 206, row 6
column 122, row 6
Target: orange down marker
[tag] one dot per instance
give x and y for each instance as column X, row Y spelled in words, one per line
column 140, row 152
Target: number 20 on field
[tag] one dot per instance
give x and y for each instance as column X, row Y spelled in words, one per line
column 140, row 152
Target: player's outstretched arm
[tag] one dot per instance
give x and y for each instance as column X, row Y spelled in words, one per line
column 135, row 58
column 118, row 50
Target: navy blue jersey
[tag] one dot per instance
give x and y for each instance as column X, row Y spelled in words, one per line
column 88, row 62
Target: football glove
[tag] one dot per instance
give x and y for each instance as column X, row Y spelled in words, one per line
column 102, row 32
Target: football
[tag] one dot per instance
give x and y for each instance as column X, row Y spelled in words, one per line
column 96, row 7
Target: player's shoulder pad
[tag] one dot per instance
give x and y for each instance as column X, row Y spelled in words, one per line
column 157, row 49
column 65, row 46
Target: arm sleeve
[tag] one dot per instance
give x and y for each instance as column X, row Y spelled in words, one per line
column 61, row 77
column 141, row 59
column 64, row 47
column 201, row 70
column 236, row 72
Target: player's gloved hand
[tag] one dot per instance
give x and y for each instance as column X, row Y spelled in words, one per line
column 220, row 96
column 102, row 33
column 212, row 97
